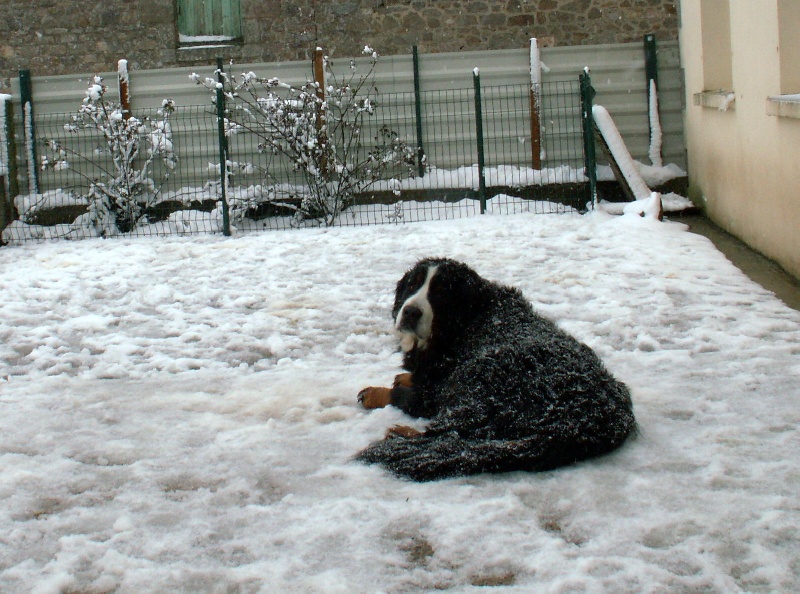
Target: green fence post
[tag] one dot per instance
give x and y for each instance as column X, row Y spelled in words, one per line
column 223, row 149
column 650, row 60
column 587, row 119
column 653, row 116
column 26, row 98
column 9, row 184
column 10, row 149
column 418, row 111
column 476, row 79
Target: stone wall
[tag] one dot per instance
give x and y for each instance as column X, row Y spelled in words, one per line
column 52, row 37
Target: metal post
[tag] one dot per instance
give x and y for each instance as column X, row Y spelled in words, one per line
column 223, row 149
column 587, row 119
column 12, row 176
column 651, row 73
column 322, row 135
column 418, row 111
column 26, row 98
column 650, row 60
column 476, row 79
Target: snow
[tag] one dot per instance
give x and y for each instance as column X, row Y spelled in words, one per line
column 241, row 197
column 649, row 207
column 726, row 101
column 647, row 203
column 122, row 71
column 786, row 98
column 616, row 145
column 4, row 168
column 29, row 204
column 535, row 65
column 656, row 134
column 30, row 145
column 651, row 175
column 500, row 175
column 203, row 38
column 179, row 414
column 670, row 202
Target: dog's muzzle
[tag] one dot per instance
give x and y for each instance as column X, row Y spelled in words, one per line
column 414, row 324
column 409, row 318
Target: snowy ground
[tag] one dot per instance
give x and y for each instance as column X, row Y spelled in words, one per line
column 179, row 415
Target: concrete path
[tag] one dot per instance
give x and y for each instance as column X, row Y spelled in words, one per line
column 759, row 268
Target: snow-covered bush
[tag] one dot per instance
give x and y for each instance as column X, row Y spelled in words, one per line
column 118, row 200
column 318, row 129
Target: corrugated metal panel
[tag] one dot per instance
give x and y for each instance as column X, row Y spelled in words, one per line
column 617, row 74
column 62, row 94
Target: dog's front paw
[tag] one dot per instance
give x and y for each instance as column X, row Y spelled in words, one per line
column 403, row 380
column 375, row 397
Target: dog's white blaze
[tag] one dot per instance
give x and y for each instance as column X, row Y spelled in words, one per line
column 422, row 332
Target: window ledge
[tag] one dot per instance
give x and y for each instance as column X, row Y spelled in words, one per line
column 193, row 53
column 720, row 100
column 784, row 106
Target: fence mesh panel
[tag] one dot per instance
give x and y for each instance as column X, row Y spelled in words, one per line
column 264, row 190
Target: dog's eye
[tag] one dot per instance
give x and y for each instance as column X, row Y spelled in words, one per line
column 418, row 279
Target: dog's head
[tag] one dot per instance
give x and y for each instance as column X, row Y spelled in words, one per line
column 436, row 299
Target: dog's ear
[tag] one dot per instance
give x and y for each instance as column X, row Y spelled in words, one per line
column 400, row 291
column 458, row 295
column 460, row 281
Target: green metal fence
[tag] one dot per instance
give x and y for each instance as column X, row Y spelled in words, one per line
column 262, row 191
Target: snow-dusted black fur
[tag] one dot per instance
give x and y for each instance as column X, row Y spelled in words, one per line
column 504, row 388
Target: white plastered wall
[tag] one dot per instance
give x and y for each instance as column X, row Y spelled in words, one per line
column 744, row 165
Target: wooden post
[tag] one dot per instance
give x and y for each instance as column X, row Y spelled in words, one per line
column 322, row 136
column 535, row 91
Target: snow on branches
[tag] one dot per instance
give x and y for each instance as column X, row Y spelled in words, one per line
column 317, row 130
column 117, row 202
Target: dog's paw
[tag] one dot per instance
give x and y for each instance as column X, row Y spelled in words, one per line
column 402, row 431
column 404, row 380
column 375, row 397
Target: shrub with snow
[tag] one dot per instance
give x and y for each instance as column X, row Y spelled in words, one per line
column 318, row 129
column 117, row 202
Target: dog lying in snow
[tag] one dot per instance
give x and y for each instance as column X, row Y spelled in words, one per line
column 504, row 388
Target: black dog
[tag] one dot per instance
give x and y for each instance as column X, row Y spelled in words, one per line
column 505, row 389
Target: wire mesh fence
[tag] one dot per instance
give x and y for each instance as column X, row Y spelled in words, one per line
column 179, row 178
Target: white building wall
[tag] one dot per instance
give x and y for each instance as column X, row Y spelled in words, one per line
column 744, row 165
